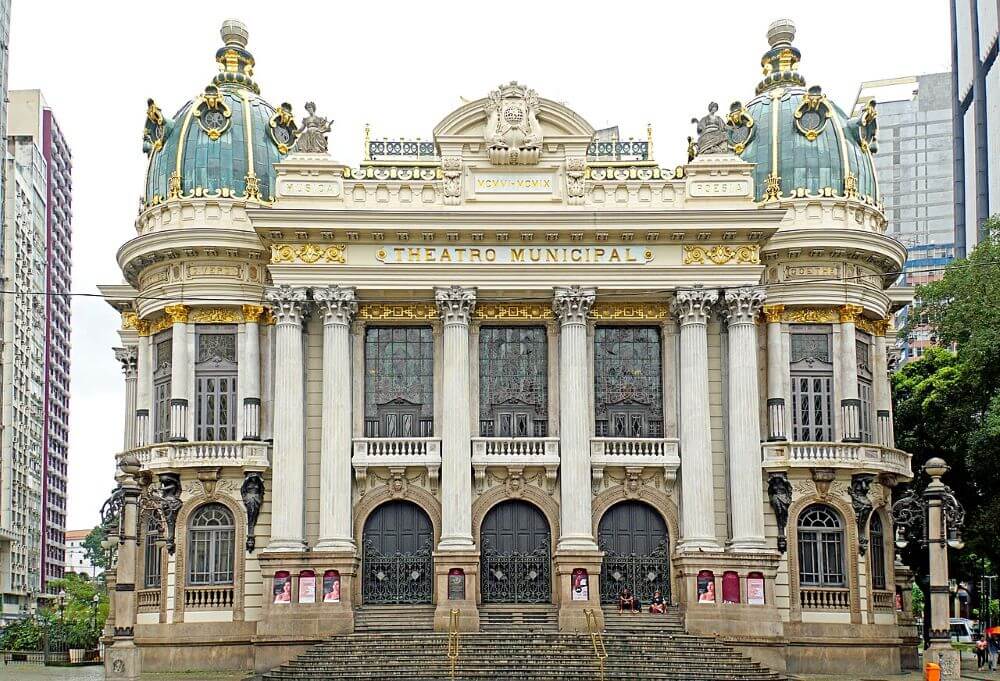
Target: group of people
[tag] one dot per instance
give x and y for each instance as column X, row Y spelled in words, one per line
column 987, row 651
column 628, row 602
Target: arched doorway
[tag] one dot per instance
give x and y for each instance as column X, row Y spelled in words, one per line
column 636, row 548
column 515, row 565
column 397, row 566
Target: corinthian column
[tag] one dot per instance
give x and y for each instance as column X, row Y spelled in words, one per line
column 338, row 304
column 693, row 308
column 251, row 371
column 128, row 357
column 850, row 402
column 455, row 305
column 179, row 368
column 572, row 305
column 745, row 483
column 288, row 470
column 776, row 364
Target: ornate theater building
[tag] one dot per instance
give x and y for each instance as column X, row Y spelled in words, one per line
column 512, row 370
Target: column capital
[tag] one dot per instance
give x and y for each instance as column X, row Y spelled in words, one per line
column 288, row 303
column 128, row 357
column 178, row 313
column 694, row 306
column 849, row 313
column 455, row 303
column 572, row 304
column 743, row 304
column 773, row 313
column 252, row 313
column 338, row 304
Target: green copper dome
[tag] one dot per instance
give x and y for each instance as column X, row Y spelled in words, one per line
column 803, row 144
column 223, row 143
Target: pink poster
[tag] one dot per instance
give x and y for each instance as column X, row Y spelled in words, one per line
column 307, row 586
column 706, row 586
column 331, row 586
column 755, row 588
column 581, row 588
column 282, row 587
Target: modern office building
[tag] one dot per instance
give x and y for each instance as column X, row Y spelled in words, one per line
column 76, row 555
column 455, row 388
column 35, row 396
column 976, row 117
column 914, row 168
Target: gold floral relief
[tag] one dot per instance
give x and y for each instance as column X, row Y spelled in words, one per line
column 851, row 313
column 397, row 311
column 722, row 255
column 811, row 315
column 177, row 313
column 252, row 313
column 215, row 315
column 773, row 313
column 310, row 254
column 487, row 311
column 655, row 312
column 876, row 327
column 130, row 320
column 157, row 325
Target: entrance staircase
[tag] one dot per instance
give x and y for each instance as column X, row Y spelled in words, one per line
column 640, row 647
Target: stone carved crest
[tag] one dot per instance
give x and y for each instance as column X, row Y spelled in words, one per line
column 513, row 135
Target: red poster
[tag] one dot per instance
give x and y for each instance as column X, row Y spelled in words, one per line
column 730, row 587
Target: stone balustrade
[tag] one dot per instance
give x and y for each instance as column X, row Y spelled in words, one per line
column 148, row 600
column 396, row 452
column 639, row 452
column 208, row 597
column 173, row 455
column 824, row 598
column 854, row 456
column 884, row 601
column 515, row 453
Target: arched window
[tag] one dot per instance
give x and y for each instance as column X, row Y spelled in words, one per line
column 821, row 547
column 877, row 550
column 151, row 554
column 211, row 546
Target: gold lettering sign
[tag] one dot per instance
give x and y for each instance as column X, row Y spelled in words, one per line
column 722, row 255
column 514, row 255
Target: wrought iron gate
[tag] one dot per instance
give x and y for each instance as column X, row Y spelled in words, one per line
column 643, row 575
column 516, row 577
column 397, row 565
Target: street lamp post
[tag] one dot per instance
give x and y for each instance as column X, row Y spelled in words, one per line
column 62, row 604
column 936, row 518
column 96, row 600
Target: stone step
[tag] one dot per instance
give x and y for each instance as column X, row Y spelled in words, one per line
column 503, row 617
column 403, row 618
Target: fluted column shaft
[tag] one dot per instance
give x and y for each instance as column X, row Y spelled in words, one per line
column 745, row 480
column 850, row 403
column 143, row 406
column 338, row 305
column 455, row 304
column 693, row 308
column 179, row 368
column 287, row 529
column 251, row 371
column 777, row 362
column 572, row 305
column 128, row 357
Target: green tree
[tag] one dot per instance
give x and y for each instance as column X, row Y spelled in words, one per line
column 92, row 549
column 82, row 619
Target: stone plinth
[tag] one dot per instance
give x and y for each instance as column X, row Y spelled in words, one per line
column 450, row 595
column 572, row 612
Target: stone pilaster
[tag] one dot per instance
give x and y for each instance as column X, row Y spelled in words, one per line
column 338, row 305
column 179, row 370
column 289, row 305
column 777, row 361
column 128, row 357
column 745, row 482
column 144, row 386
column 850, row 402
column 455, row 304
column 882, row 389
column 693, row 308
column 250, row 375
column 572, row 305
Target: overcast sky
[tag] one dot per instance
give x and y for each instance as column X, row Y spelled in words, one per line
column 402, row 66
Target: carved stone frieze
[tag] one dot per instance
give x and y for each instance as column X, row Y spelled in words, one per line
column 514, row 479
column 722, row 255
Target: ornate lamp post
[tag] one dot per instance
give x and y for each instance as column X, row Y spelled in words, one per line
column 62, row 605
column 936, row 518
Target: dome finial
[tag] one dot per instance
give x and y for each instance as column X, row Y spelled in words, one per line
column 234, row 32
column 781, row 33
column 781, row 62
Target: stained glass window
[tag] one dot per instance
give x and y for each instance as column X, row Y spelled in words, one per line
column 628, row 384
column 812, row 384
column 162, row 354
column 215, row 383
column 821, row 547
column 877, row 550
column 211, row 544
column 399, row 381
column 513, row 379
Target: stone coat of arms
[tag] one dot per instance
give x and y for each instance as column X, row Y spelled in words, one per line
column 513, row 135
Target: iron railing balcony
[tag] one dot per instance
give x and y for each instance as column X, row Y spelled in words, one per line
column 854, row 456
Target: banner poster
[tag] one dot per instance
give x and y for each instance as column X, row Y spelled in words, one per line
column 581, row 585
column 706, row 586
column 730, row 588
column 755, row 588
column 331, row 586
column 456, row 584
column 282, row 587
column 307, row 586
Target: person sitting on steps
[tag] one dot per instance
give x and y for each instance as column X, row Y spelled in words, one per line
column 657, row 605
column 626, row 601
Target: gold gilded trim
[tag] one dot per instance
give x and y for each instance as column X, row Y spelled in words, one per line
column 810, row 315
column 397, row 311
column 652, row 312
column 157, row 325
column 177, row 313
column 722, row 255
column 876, row 327
column 215, row 315
column 773, row 313
column 309, row 254
column 252, row 313
column 130, row 320
column 850, row 313
column 487, row 311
